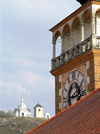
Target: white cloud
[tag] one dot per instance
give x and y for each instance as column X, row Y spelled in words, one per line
column 26, row 49
column 23, row 62
column 32, row 10
column 34, row 80
column 11, row 87
column 28, row 93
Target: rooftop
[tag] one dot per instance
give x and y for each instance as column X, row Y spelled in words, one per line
column 38, row 105
column 83, row 117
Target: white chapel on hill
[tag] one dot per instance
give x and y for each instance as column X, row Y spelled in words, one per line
column 22, row 111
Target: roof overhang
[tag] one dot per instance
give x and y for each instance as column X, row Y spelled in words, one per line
column 89, row 3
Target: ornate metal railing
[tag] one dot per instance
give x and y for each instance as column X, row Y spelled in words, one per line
column 72, row 53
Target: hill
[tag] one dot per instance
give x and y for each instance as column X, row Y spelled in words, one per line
column 19, row 125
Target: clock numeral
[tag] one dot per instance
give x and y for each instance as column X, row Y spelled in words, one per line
column 64, row 101
column 64, row 98
column 65, row 107
column 81, row 83
column 65, row 89
column 83, row 93
column 73, row 75
column 68, row 80
column 73, row 85
column 77, row 76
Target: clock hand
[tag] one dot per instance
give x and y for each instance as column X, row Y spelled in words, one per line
column 74, row 93
column 73, row 96
column 79, row 95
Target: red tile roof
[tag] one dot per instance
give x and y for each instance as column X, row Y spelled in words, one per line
column 81, row 118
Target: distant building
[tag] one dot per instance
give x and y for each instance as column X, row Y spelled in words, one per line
column 38, row 111
column 47, row 116
column 22, row 111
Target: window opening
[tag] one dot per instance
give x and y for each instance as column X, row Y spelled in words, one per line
column 58, row 46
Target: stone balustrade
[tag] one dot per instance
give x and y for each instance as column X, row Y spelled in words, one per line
column 73, row 52
column 98, row 41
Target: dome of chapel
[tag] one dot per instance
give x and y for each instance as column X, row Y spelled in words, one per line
column 22, row 105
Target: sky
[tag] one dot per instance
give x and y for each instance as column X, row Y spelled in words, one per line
column 26, row 51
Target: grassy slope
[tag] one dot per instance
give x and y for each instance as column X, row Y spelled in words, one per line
column 18, row 125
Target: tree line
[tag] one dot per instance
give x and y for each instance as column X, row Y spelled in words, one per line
column 9, row 113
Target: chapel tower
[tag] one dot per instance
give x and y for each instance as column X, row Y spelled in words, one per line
column 77, row 67
column 38, row 111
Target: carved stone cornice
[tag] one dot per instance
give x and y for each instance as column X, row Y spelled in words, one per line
column 76, row 61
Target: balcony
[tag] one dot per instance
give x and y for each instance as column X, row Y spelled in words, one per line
column 73, row 52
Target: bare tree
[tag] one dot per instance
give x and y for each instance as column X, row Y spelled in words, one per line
column 9, row 113
column 2, row 113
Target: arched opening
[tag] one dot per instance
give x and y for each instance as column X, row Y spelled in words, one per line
column 66, row 37
column 47, row 116
column 97, row 27
column 97, row 22
column 22, row 114
column 86, row 24
column 76, row 31
column 58, row 43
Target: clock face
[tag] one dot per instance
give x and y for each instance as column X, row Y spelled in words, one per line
column 74, row 88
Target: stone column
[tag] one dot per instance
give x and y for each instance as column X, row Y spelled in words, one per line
column 62, row 44
column 54, row 50
column 82, row 31
column 93, row 31
column 71, row 38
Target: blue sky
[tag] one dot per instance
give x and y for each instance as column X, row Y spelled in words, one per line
column 26, row 51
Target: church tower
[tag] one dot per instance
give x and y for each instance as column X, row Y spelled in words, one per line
column 38, row 111
column 77, row 67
